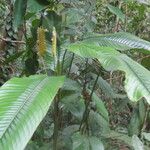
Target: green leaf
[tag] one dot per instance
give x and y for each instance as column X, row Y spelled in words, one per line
column 74, row 104
column 23, row 104
column 19, row 12
column 137, row 83
column 117, row 12
column 119, row 136
column 80, row 142
column 123, row 137
column 135, row 123
column 142, row 111
column 96, row 144
column 120, row 41
column 100, row 106
column 34, row 6
column 84, row 142
column 73, row 16
column 98, row 123
column 146, row 136
column 105, row 86
column 137, row 143
column 147, row 2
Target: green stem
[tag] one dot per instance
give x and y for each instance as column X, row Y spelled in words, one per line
column 63, row 60
column 145, row 118
column 56, row 122
column 84, row 122
column 71, row 64
column 87, row 109
column 57, row 114
column 95, row 83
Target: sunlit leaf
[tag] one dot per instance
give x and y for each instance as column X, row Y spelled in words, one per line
column 23, row 104
column 137, row 82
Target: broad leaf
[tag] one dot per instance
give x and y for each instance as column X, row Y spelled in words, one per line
column 98, row 123
column 23, row 104
column 120, row 41
column 137, row 83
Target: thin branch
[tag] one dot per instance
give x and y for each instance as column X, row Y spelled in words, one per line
column 12, row 41
column 140, row 59
column 94, row 86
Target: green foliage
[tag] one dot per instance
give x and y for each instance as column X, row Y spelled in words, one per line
column 89, row 143
column 137, row 81
column 119, row 41
column 24, row 102
column 104, row 101
column 117, row 12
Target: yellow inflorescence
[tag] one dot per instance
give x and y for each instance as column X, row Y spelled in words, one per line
column 41, row 41
column 54, row 42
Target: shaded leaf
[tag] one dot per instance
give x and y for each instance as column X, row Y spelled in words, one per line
column 100, row 107
column 84, row 142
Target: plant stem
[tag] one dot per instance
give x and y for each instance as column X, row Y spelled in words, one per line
column 87, row 109
column 71, row 63
column 57, row 112
column 44, row 66
column 84, row 121
column 62, row 66
column 145, row 118
column 94, row 85
column 56, row 122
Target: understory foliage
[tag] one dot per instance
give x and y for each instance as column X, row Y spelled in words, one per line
column 75, row 75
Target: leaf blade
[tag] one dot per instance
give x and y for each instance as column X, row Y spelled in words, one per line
column 24, row 103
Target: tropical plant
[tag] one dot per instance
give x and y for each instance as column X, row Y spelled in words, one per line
column 83, row 80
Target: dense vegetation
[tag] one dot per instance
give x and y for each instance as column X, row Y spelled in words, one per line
column 74, row 74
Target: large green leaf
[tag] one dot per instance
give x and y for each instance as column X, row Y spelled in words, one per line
column 137, row 83
column 120, row 41
column 23, row 104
